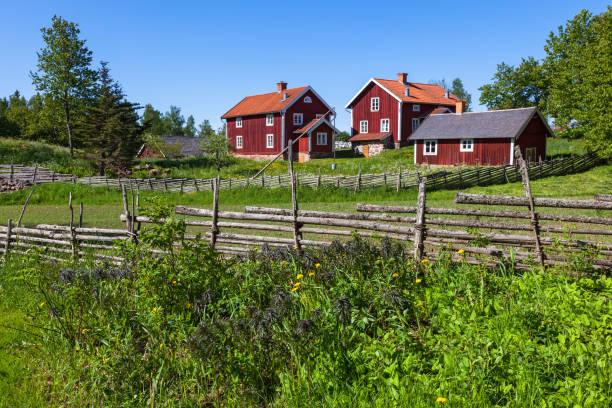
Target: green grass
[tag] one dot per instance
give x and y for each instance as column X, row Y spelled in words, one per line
column 49, row 203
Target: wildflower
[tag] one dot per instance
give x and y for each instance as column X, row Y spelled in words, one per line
column 255, row 248
column 174, row 282
column 186, row 350
column 295, row 247
column 83, row 331
column 317, row 265
column 424, row 260
column 441, row 400
column 299, row 276
column 294, row 288
column 311, row 273
column 296, row 284
column 395, row 275
column 459, row 259
column 418, row 280
column 77, row 348
column 460, row 251
column 161, row 346
column 154, row 310
column 188, row 305
column 42, row 304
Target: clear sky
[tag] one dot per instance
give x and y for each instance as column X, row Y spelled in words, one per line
column 205, row 56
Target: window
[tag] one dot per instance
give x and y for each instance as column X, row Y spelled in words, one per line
column 321, row 138
column 384, row 125
column 298, row 118
column 363, row 126
column 319, row 115
column 416, row 108
column 269, row 141
column 374, row 104
column 430, row 147
column 270, row 119
column 238, row 122
column 238, row 142
column 467, row 145
column 415, row 123
column 307, row 99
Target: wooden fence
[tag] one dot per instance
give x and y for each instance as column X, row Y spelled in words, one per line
column 477, row 232
column 400, row 179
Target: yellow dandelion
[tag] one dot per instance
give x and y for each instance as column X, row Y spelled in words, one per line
column 317, row 265
column 424, row 260
column 418, row 280
column 255, row 248
column 42, row 304
column 186, row 350
column 294, row 288
column 459, row 259
column 299, row 276
column 83, row 331
column 295, row 247
column 395, row 275
column 296, row 284
column 161, row 346
column 174, row 282
column 77, row 348
column 460, row 251
column 154, row 310
column 441, row 400
column 310, row 273
column 188, row 305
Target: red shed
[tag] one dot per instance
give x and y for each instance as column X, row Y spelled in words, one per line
column 260, row 126
column 398, row 107
column 484, row 138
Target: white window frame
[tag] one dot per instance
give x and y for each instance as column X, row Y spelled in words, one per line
column 238, row 122
column 416, row 108
column 418, row 123
column 270, row 119
column 427, row 147
column 307, row 99
column 298, row 118
column 238, row 142
column 269, row 141
column 374, row 104
column 321, row 136
column 363, row 126
column 466, row 145
column 384, row 128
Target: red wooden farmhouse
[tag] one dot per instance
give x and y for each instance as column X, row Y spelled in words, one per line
column 483, row 138
column 260, row 126
column 385, row 112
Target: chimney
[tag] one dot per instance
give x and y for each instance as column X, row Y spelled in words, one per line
column 447, row 94
column 407, row 91
column 281, row 86
column 459, row 107
column 285, row 96
column 402, row 77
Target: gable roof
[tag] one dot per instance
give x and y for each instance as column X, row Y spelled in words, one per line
column 439, row 110
column 315, row 123
column 191, row 146
column 419, row 93
column 496, row 124
column 269, row 102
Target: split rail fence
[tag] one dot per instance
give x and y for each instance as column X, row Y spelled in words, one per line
column 400, row 179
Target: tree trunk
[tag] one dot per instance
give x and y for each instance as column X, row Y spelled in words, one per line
column 67, row 112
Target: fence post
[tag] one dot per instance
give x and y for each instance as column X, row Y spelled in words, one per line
column 12, row 171
column 385, row 175
column 182, row 183
column 263, row 180
column 506, row 175
column 53, row 176
column 477, row 174
column 399, row 177
column 319, row 179
column 534, row 216
column 126, row 210
column 34, row 176
column 214, row 229
column 460, row 179
column 24, row 207
column 7, row 244
column 81, row 215
column 73, row 243
column 297, row 235
column 358, row 179
column 195, row 184
column 419, row 226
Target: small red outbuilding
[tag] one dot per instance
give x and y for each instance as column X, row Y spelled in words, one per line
column 481, row 138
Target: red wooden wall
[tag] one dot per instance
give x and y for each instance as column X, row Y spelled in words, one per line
column 321, row 148
column 486, row 152
column 253, row 132
column 534, row 135
column 387, row 110
column 408, row 114
column 309, row 111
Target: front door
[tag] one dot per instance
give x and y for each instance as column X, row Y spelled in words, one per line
column 366, row 150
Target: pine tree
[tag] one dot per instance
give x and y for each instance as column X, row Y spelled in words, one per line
column 110, row 128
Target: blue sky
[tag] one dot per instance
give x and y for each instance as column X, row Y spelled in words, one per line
column 206, row 56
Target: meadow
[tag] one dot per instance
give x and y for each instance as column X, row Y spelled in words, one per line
column 350, row 325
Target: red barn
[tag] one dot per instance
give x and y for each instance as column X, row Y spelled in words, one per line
column 260, row 126
column 386, row 107
column 483, row 138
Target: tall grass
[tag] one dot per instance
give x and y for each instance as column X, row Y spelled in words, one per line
column 350, row 325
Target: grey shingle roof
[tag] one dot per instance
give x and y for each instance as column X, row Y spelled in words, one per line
column 474, row 125
column 191, row 145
